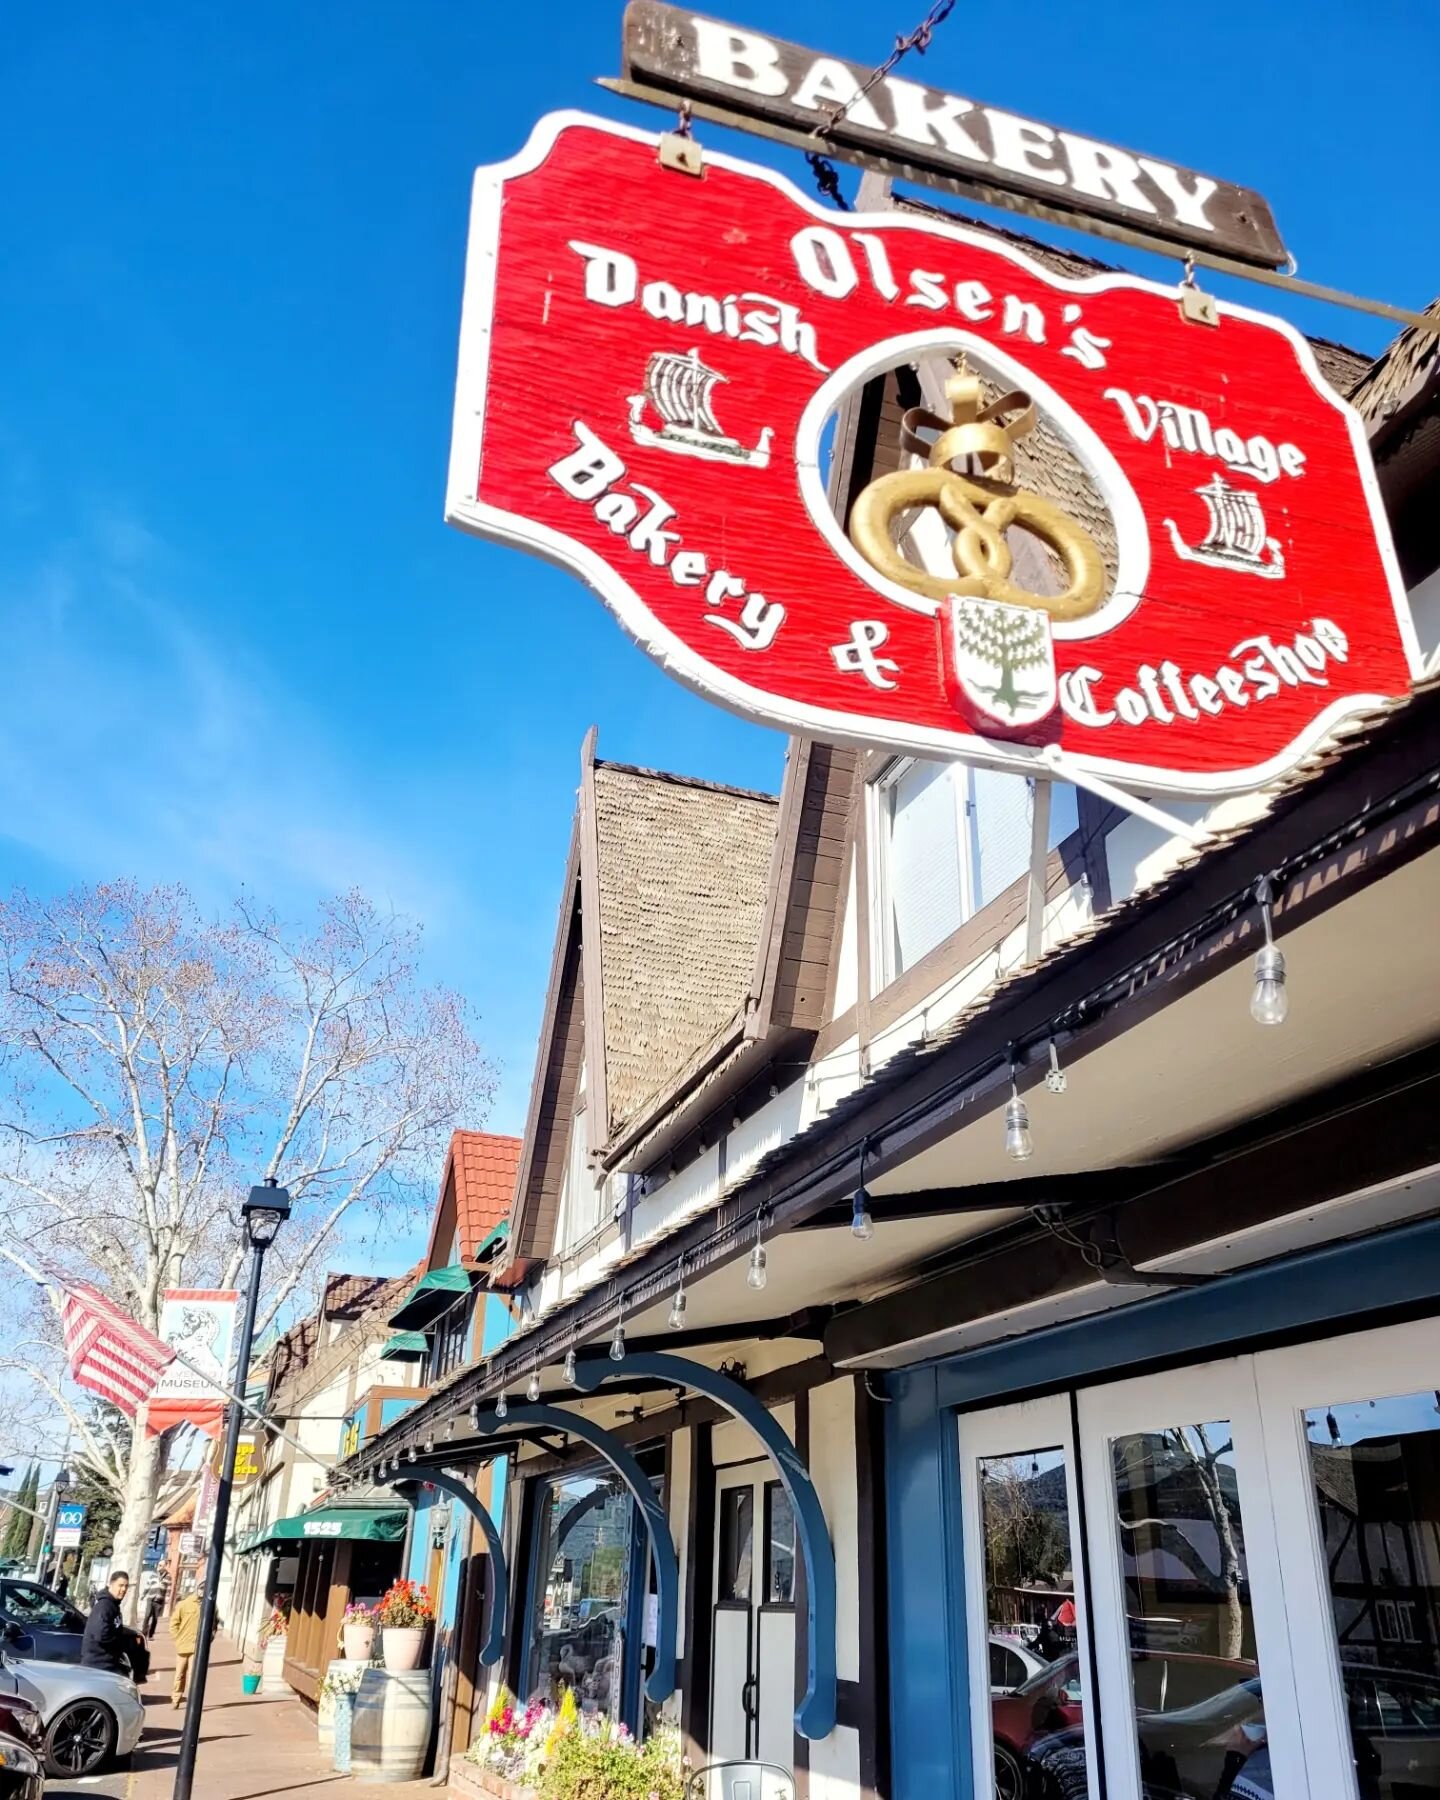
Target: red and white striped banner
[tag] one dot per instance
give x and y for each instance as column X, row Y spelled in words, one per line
column 110, row 1353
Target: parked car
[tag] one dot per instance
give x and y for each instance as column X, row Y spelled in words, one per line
column 50, row 1627
column 1048, row 1712
column 1013, row 1662
column 89, row 1716
column 21, row 1733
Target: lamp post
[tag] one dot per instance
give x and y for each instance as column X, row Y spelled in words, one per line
column 263, row 1214
column 58, row 1489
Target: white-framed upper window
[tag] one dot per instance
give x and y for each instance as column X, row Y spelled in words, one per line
column 582, row 1197
column 946, row 840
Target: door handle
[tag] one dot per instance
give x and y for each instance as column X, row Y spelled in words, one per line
column 749, row 1694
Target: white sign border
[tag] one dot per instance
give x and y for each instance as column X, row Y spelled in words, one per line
column 713, row 683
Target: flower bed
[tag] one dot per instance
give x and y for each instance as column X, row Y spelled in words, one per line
column 558, row 1753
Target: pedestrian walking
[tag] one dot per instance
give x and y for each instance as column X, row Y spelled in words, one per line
column 185, row 1630
column 156, row 1590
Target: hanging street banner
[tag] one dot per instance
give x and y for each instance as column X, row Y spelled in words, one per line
column 199, row 1325
column 927, row 134
column 1122, row 539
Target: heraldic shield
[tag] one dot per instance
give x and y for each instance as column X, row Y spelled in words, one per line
column 1001, row 661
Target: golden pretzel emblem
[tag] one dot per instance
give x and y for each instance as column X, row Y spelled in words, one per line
column 979, row 509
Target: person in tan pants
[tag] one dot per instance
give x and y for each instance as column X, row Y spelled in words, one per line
column 185, row 1630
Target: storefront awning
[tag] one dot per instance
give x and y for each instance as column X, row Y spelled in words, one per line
column 433, row 1294
column 405, row 1346
column 358, row 1524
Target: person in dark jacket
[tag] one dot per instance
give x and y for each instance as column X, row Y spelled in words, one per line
column 108, row 1642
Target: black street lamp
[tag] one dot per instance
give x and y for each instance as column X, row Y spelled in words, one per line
column 263, row 1214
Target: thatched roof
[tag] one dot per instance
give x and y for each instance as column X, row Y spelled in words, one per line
column 683, row 867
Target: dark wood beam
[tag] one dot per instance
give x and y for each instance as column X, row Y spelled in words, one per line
column 1089, row 1188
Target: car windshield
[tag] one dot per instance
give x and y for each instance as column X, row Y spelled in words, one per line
column 1055, row 1674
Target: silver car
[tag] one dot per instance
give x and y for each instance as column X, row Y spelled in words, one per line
column 90, row 1716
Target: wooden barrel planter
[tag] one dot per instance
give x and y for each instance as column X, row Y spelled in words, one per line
column 391, row 1726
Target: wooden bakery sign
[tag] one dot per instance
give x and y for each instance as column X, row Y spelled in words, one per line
column 904, row 126
column 652, row 368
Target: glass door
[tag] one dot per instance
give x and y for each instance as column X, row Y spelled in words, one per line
column 1025, row 1604
column 1353, row 1429
column 1197, row 1690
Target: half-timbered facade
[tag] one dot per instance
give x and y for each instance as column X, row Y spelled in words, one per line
column 965, row 1340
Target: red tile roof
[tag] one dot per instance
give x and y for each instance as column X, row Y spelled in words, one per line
column 484, row 1165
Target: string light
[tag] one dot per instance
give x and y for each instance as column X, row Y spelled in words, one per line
column 757, row 1275
column 502, row 1405
column 1019, row 1145
column 532, row 1388
column 430, row 1444
column 449, row 1428
column 475, row 1416
column 1269, row 1000
column 410, row 1453
column 862, row 1226
column 676, row 1320
column 617, row 1341
column 571, row 1368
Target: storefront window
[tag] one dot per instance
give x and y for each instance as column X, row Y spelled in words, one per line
column 1036, row 1687
column 1376, row 1473
column 1199, row 1715
column 577, row 1637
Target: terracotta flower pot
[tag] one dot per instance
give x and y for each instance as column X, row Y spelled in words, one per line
column 359, row 1642
column 401, row 1646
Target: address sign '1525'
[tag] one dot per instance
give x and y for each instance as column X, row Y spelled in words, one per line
column 651, row 367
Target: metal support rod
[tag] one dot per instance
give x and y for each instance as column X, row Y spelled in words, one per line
column 1056, row 759
column 200, row 1668
column 1027, row 206
column 1039, row 856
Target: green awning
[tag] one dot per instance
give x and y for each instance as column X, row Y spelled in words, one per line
column 431, row 1295
column 406, row 1346
column 360, row 1524
column 492, row 1240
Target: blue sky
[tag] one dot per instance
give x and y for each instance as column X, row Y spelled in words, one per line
column 240, row 646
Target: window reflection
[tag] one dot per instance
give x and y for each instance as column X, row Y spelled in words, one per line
column 1199, row 1715
column 1375, row 1467
column 1036, row 1692
column 779, row 1547
column 577, row 1640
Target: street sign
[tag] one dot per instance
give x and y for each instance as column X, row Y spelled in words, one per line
column 69, row 1525
column 247, row 1460
column 928, row 134
column 648, row 393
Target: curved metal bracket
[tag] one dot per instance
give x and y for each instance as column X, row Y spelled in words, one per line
column 493, row 1647
column 660, row 1683
column 815, row 1715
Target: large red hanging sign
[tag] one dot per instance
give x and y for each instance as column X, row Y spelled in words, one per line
column 650, row 369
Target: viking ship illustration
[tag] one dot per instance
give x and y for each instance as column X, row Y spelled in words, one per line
column 1236, row 538
column 678, row 388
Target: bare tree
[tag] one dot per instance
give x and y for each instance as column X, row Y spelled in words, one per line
column 156, row 1064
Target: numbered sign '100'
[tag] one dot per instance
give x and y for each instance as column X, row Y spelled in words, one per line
column 1093, row 523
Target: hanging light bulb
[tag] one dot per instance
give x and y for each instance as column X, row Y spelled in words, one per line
column 571, row 1369
column 617, row 1342
column 1019, row 1146
column 676, row 1320
column 862, row 1226
column 756, row 1275
column 475, row 1416
column 410, row 1453
column 430, row 1444
column 532, row 1387
column 502, row 1405
column 1269, row 999
column 449, row 1428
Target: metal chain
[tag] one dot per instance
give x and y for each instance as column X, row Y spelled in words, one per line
column 827, row 178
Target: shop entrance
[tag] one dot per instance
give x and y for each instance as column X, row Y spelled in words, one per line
column 752, row 1702
column 1220, row 1581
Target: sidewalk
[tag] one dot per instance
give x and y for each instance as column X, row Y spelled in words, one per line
column 251, row 1747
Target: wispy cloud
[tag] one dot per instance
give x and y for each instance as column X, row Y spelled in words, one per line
column 135, row 740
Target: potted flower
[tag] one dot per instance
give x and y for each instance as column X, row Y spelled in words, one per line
column 402, row 1616
column 272, row 1646
column 357, row 1632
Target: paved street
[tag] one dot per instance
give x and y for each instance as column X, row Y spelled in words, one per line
column 250, row 1747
